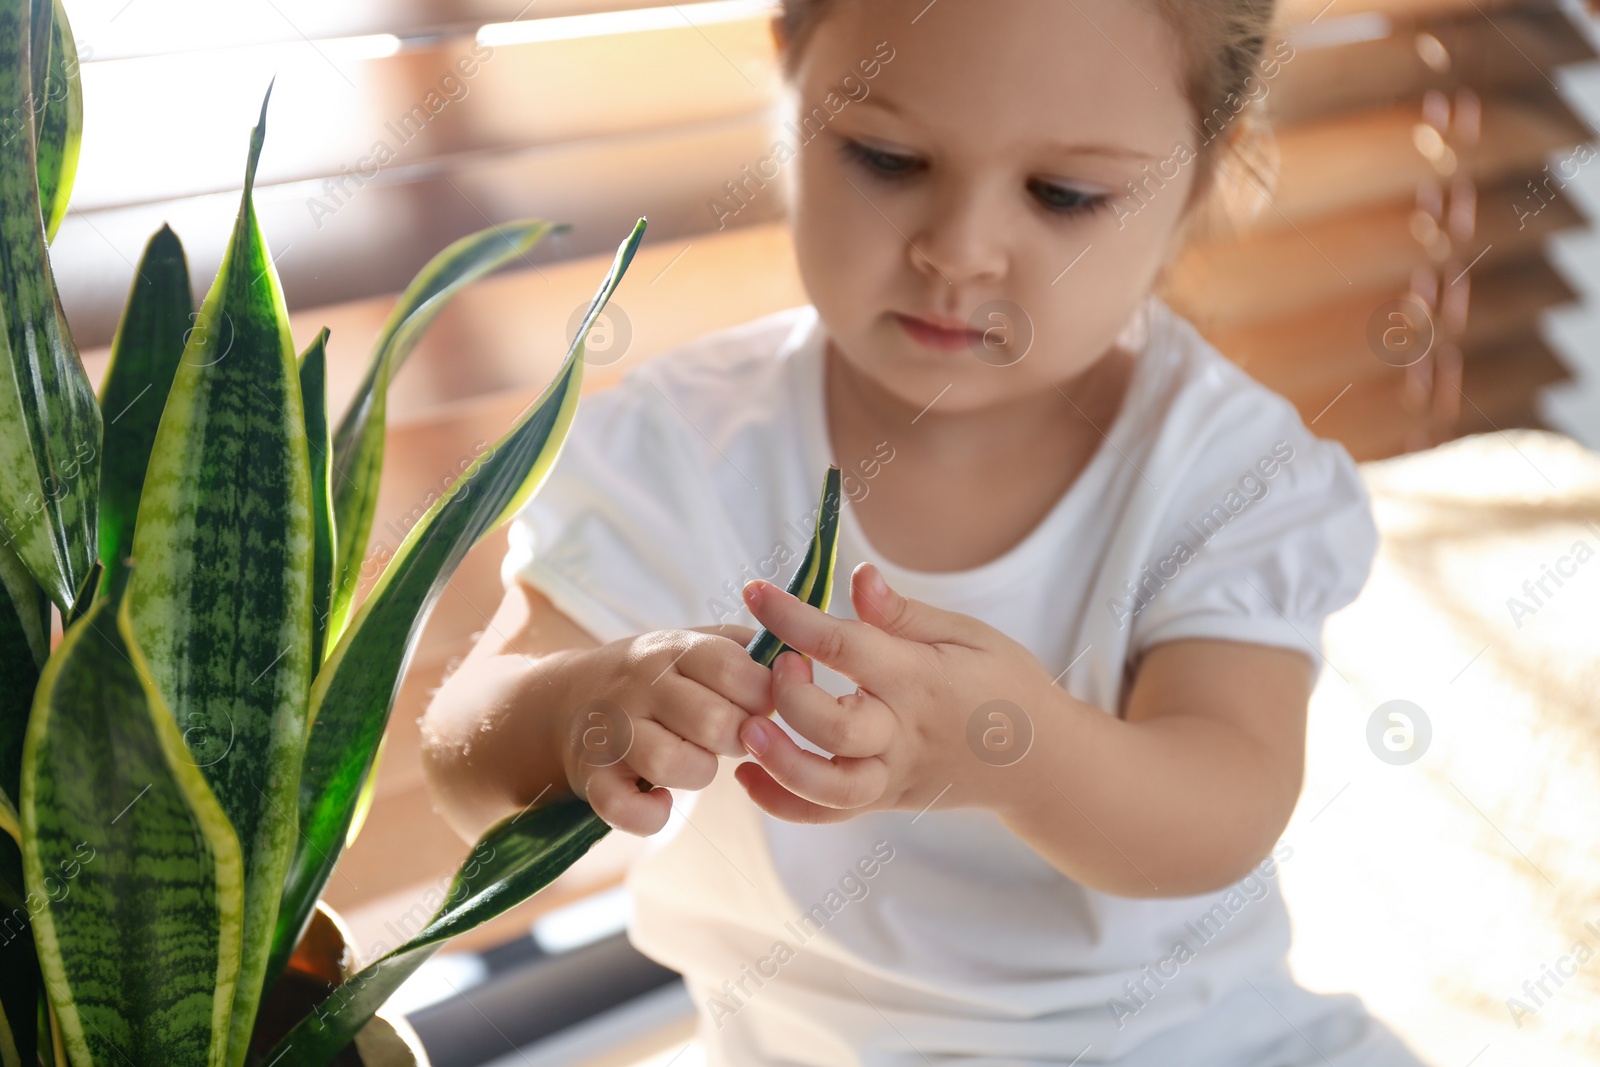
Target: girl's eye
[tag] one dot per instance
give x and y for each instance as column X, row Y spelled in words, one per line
column 1055, row 198
column 885, row 164
column 1069, row 201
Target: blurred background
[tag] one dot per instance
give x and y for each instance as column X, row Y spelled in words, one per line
column 1437, row 159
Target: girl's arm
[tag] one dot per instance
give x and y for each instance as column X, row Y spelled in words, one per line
column 1186, row 792
column 486, row 749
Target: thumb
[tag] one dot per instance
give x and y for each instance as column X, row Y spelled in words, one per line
column 878, row 604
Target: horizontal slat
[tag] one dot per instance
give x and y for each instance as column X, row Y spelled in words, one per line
column 1500, row 389
column 1512, row 51
column 1374, row 420
column 1315, row 354
column 1507, row 300
column 1334, row 165
column 157, row 27
column 379, row 240
column 1298, row 12
column 335, row 114
column 1225, row 285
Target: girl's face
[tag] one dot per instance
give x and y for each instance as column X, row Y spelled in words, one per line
column 976, row 176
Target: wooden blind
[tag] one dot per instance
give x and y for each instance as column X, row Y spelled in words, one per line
column 1426, row 164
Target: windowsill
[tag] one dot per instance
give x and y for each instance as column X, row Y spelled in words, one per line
column 603, row 1004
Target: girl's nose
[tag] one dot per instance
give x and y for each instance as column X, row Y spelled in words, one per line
column 962, row 239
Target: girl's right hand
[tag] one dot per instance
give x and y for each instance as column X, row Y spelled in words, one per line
column 660, row 706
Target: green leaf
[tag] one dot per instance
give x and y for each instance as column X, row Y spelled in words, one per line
column 516, row 858
column 20, row 985
column 51, row 1051
column 369, row 790
column 11, row 826
column 314, row 394
column 144, row 358
column 9, row 1056
column 358, row 442
column 813, row 580
column 58, row 111
column 133, row 862
column 86, row 594
column 49, row 423
column 355, row 690
column 24, row 646
column 221, row 591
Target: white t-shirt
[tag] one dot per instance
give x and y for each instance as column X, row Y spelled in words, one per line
column 898, row 938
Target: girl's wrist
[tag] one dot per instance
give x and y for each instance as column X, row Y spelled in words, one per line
column 558, row 700
column 1047, row 739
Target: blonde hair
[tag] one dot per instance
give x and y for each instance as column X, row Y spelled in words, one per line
column 1223, row 43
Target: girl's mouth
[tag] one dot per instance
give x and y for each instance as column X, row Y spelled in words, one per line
column 936, row 336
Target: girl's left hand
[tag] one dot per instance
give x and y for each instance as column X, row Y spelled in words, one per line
column 935, row 688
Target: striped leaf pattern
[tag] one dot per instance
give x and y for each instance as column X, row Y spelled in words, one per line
column 358, row 442
column 813, row 579
column 314, row 397
column 49, row 422
column 221, row 591
column 58, row 110
column 132, row 861
column 144, row 358
column 355, row 690
column 24, row 645
column 20, row 986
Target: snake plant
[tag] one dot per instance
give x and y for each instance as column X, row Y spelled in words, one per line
column 181, row 772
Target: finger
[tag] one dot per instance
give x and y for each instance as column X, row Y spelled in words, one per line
column 613, row 793
column 903, row 616
column 732, row 631
column 855, row 725
column 778, row 802
column 729, row 672
column 849, row 646
column 663, row 758
column 702, row 716
column 840, row 782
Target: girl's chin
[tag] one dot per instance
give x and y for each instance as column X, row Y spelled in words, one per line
column 919, row 381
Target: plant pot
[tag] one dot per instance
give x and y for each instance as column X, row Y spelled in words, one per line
column 322, row 961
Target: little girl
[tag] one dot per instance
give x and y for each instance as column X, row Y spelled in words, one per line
column 1022, row 797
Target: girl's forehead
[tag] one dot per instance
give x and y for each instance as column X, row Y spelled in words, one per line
column 1044, row 72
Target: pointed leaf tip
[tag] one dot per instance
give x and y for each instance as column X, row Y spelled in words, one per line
column 619, row 266
column 257, row 135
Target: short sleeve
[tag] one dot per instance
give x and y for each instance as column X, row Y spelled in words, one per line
column 626, row 534
column 1263, row 554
